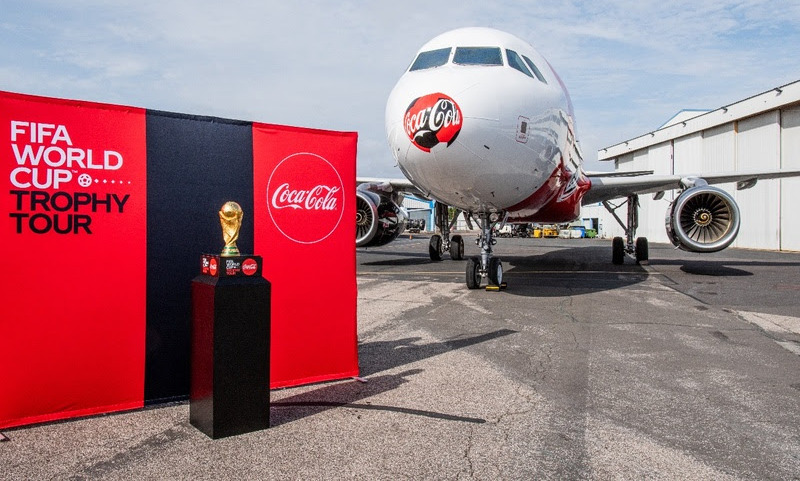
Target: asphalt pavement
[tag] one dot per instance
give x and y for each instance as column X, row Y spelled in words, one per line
column 687, row 368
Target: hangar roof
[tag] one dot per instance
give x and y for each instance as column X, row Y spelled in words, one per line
column 772, row 99
column 684, row 114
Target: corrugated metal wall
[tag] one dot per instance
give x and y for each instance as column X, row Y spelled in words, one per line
column 758, row 147
column 790, row 188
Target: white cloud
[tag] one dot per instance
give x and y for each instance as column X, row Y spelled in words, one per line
column 629, row 65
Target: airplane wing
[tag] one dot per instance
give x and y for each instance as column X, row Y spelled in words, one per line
column 380, row 217
column 402, row 186
column 607, row 187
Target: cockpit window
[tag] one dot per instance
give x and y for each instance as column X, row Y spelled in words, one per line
column 535, row 70
column 516, row 62
column 478, row 56
column 430, row 59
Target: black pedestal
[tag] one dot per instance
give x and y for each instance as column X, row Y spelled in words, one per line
column 230, row 355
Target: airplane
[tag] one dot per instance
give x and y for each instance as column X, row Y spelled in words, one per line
column 481, row 123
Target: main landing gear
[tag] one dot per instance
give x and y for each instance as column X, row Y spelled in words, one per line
column 619, row 247
column 439, row 244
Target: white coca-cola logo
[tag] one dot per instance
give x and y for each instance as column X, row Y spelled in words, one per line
column 305, row 198
column 320, row 197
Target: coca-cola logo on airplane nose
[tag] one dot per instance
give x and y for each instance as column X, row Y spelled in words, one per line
column 431, row 120
column 305, row 198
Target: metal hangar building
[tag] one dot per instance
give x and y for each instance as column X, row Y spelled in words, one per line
column 758, row 133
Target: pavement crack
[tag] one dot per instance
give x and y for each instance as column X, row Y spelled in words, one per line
column 527, row 399
column 468, row 453
column 539, row 365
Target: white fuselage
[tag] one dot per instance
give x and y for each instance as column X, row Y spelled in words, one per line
column 506, row 138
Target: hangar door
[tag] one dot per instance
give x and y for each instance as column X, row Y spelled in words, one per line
column 790, row 188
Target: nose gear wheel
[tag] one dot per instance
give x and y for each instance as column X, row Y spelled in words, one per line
column 485, row 266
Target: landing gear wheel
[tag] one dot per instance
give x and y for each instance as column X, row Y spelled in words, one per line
column 435, row 248
column 457, row 248
column 495, row 272
column 618, row 251
column 642, row 251
column 473, row 272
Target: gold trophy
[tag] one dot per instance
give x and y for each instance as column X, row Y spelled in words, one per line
column 230, row 218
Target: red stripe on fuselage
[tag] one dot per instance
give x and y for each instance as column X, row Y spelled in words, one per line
column 550, row 203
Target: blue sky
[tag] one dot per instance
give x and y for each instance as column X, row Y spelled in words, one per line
column 629, row 65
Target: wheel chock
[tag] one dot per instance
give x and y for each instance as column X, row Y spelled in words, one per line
column 501, row 287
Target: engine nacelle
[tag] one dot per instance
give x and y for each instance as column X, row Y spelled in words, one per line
column 379, row 218
column 703, row 219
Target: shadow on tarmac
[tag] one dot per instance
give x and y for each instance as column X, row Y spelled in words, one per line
column 569, row 272
column 377, row 356
column 547, row 269
column 713, row 269
column 588, row 269
column 406, row 258
column 347, row 395
column 381, row 356
column 721, row 268
column 413, row 261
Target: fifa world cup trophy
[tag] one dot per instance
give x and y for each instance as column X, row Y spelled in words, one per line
column 230, row 218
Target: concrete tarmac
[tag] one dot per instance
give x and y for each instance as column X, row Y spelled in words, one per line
column 688, row 368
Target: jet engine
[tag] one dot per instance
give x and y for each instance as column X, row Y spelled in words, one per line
column 703, row 219
column 379, row 217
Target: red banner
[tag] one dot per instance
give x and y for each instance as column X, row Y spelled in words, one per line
column 72, row 331
column 304, row 183
column 82, row 256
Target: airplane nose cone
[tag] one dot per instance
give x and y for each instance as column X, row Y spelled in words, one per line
column 455, row 136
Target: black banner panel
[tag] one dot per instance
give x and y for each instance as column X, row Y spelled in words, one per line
column 194, row 165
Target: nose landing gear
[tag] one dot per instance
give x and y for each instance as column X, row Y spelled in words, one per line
column 480, row 267
column 486, row 266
